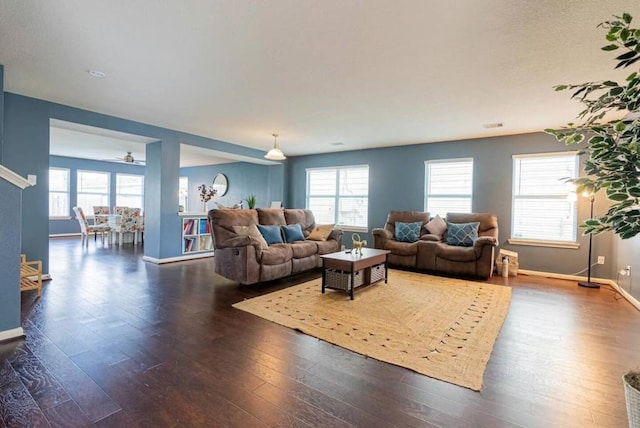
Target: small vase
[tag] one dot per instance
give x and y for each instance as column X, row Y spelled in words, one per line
column 204, row 207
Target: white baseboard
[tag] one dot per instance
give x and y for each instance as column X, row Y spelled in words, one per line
column 177, row 259
column 14, row 333
column 605, row 281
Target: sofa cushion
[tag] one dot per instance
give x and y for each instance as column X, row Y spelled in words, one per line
column 437, row 226
column 302, row 249
column 276, row 254
column 456, row 253
column 252, row 231
column 402, row 248
column 328, row 247
column 271, row 234
column 304, row 218
column 292, row 233
column 408, row 232
column 320, row 232
column 462, row 234
column 271, row 216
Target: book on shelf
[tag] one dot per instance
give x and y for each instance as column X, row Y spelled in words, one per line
column 188, row 227
column 188, row 244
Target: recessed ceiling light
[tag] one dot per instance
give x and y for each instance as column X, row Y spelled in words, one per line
column 493, row 125
column 337, row 144
column 97, row 73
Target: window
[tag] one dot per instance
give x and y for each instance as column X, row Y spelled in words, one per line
column 130, row 190
column 93, row 189
column 58, row 192
column 544, row 205
column 183, row 192
column 448, row 186
column 339, row 196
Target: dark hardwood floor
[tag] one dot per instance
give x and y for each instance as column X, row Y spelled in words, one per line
column 117, row 342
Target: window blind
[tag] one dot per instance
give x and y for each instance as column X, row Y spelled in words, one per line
column 542, row 209
column 449, row 186
column 339, row 195
column 58, row 192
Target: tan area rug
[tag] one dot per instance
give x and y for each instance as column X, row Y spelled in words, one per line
column 440, row 327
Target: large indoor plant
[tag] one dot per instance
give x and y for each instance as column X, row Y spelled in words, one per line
column 613, row 153
column 612, row 146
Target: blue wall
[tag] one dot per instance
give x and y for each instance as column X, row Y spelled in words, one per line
column 62, row 226
column 244, row 179
column 396, row 182
column 10, row 229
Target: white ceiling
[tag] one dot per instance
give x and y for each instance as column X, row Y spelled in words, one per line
column 366, row 73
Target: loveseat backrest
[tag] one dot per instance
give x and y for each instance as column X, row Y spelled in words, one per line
column 304, row 218
column 406, row 217
column 488, row 222
column 222, row 222
column 270, row 216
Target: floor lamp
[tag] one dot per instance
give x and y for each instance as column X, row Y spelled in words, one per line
column 589, row 284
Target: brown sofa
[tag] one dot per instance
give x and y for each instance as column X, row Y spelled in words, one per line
column 432, row 253
column 242, row 259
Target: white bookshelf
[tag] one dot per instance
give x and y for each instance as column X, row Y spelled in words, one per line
column 196, row 236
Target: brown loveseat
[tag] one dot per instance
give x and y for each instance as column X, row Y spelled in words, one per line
column 432, row 253
column 243, row 258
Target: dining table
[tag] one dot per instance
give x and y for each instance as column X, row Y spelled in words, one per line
column 113, row 220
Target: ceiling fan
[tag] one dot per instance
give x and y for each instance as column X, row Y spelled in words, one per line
column 128, row 158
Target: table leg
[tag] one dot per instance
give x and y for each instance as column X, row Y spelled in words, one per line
column 324, row 276
column 352, row 279
column 386, row 271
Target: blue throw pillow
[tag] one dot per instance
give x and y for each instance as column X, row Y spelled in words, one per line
column 293, row 232
column 271, row 234
column 408, row 232
column 462, row 234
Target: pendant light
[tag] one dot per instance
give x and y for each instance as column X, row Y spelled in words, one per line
column 275, row 153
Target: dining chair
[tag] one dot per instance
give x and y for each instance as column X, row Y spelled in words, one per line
column 86, row 228
column 129, row 223
column 100, row 209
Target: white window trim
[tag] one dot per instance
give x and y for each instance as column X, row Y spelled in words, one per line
column 68, row 192
column 346, row 228
column 455, row 196
column 539, row 242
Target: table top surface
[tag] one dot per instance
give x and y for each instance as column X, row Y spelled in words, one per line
column 352, row 256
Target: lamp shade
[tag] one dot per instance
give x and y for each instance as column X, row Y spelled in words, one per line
column 275, row 153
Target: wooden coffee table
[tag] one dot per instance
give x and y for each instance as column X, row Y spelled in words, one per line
column 346, row 271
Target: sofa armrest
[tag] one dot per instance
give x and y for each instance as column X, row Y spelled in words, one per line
column 484, row 241
column 431, row 237
column 382, row 233
column 238, row 241
column 380, row 237
column 337, row 235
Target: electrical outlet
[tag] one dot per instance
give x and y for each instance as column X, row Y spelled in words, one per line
column 625, row 272
column 600, row 260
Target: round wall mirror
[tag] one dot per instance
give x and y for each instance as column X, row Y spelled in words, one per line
column 221, row 184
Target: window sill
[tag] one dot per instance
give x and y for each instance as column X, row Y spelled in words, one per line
column 550, row 244
column 352, row 229
column 60, row 218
